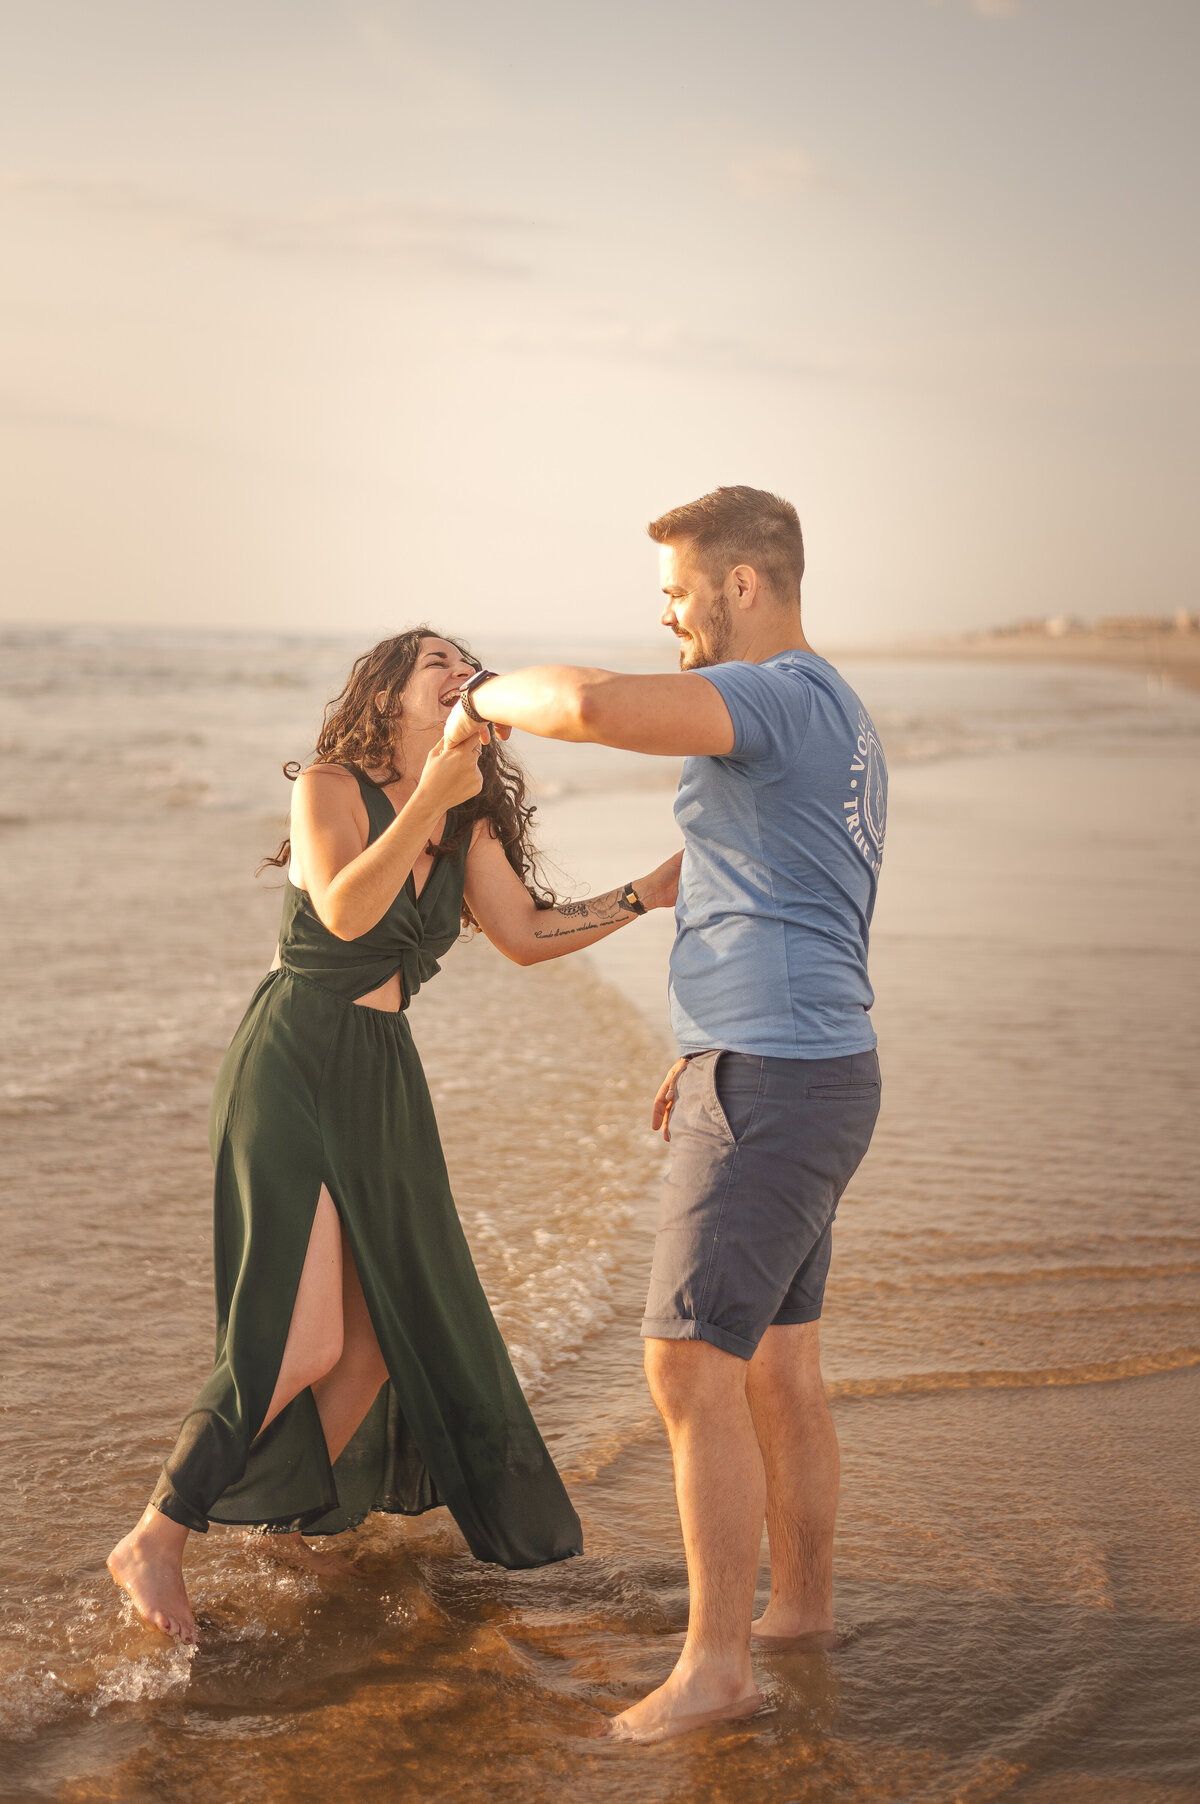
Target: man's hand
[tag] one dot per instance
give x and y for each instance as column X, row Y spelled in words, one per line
column 664, row 1102
column 459, row 726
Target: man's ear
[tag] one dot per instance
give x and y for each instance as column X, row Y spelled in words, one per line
column 742, row 585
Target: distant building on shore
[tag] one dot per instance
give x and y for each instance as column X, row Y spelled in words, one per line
column 1112, row 626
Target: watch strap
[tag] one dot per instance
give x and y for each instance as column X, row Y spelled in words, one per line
column 464, row 696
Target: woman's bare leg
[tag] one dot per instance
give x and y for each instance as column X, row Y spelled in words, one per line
column 343, row 1397
column 348, row 1389
column 314, row 1342
column 148, row 1562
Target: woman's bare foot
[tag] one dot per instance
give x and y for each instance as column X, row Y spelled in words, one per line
column 687, row 1701
column 148, row 1566
column 294, row 1550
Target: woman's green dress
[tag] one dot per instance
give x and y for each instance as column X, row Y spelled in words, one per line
column 312, row 1091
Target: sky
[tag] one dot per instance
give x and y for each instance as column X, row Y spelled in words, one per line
column 328, row 315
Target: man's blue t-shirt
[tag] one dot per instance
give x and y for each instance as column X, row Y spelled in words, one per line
column 782, row 844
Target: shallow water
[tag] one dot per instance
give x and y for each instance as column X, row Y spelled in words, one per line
column 1012, row 1333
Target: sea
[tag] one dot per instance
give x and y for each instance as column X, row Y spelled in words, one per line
column 1012, row 1326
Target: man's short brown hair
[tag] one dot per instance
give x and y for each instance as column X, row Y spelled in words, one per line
column 739, row 525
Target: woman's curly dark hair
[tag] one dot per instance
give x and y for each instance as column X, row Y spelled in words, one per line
column 357, row 729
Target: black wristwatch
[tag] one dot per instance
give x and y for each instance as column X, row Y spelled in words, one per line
column 631, row 899
column 464, row 696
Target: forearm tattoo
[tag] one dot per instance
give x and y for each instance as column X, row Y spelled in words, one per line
column 584, row 917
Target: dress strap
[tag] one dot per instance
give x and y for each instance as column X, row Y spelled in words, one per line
column 380, row 813
column 365, row 783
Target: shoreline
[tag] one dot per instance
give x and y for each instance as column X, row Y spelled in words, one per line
column 1160, row 657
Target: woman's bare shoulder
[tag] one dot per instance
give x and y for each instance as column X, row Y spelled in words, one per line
column 483, row 834
column 322, row 773
column 327, row 785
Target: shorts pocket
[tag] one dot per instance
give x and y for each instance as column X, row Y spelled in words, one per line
column 866, row 1089
column 737, row 1081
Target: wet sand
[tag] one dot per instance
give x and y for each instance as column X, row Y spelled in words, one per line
column 1012, row 1331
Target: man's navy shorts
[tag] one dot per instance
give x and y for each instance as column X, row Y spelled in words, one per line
column 761, row 1151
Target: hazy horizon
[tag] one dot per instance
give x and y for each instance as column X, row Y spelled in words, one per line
column 332, row 313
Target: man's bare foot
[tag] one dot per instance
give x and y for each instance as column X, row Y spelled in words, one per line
column 148, row 1565
column 293, row 1550
column 776, row 1629
column 685, row 1703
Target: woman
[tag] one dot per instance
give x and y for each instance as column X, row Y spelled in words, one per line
column 358, row 1365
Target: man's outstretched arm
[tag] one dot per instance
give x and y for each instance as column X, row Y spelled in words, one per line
column 674, row 715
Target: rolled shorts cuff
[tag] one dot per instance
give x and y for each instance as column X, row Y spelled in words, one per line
column 796, row 1318
column 167, row 1501
column 673, row 1327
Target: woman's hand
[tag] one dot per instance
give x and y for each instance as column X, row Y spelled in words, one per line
column 661, row 887
column 459, row 726
column 664, row 1102
column 452, row 774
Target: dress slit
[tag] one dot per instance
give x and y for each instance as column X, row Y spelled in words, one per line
column 291, row 1312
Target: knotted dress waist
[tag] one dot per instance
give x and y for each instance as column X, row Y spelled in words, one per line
column 413, row 934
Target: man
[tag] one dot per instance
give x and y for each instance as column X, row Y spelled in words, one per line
column 771, row 1106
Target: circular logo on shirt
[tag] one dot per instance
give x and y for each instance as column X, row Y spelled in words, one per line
column 866, row 808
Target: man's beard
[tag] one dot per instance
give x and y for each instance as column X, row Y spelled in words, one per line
column 700, row 650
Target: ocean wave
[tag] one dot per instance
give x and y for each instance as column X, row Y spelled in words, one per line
column 927, row 1278
column 1112, row 1371
column 545, row 1301
column 641, row 1425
